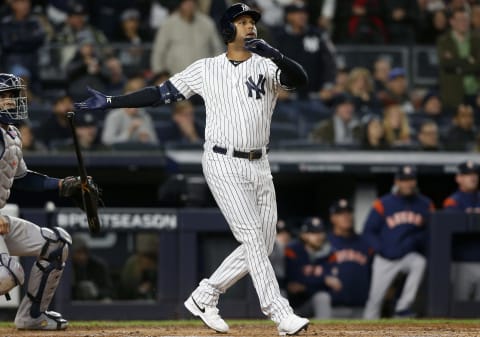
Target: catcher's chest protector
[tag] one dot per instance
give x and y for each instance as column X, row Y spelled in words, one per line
column 11, row 157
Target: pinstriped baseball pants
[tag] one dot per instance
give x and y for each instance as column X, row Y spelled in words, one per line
column 245, row 193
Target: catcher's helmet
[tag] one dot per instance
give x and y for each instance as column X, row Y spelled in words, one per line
column 13, row 113
column 226, row 22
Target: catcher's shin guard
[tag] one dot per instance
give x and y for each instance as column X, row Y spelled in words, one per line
column 44, row 278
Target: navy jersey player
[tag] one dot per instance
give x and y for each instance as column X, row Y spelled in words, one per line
column 396, row 230
column 240, row 89
column 19, row 237
column 466, row 268
column 308, row 275
column 351, row 259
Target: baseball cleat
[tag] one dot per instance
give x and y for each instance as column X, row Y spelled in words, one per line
column 292, row 324
column 209, row 315
column 48, row 320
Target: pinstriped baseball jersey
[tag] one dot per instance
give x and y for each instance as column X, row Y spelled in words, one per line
column 239, row 100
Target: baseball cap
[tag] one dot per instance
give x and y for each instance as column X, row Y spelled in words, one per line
column 282, row 227
column 406, row 172
column 342, row 99
column 468, row 167
column 295, row 7
column 85, row 119
column 396, row 72
column 76, row 9
column 341, row 205
column 312, row 225
column 129, row 14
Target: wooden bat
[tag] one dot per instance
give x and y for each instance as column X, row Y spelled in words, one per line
column 89, row 201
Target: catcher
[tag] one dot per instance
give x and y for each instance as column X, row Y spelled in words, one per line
column 19, row 237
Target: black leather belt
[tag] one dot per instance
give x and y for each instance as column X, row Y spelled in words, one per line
column 250, row 155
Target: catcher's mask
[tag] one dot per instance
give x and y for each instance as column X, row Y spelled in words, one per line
column 227, row 27
column 12, row 109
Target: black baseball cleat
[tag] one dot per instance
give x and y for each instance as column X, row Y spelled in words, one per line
column 208, row 314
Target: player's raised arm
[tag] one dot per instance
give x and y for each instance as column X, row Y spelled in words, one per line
column 292, row 76
column 148, row 96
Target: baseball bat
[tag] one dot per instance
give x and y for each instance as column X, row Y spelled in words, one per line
column 89, row 203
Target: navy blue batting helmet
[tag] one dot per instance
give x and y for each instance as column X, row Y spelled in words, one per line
column 15, row 109
column 234, row 11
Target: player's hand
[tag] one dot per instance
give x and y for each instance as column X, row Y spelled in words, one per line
column 4, row 225
column 262, row 48
column 333, row 283
column 97, row 100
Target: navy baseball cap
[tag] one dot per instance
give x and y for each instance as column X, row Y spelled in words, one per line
column 239, row 9
column 341, row 205
column 396, row 72
column 295, row 7
column 406, row 172
column 342, row 99
column 312, row 225
column 468, row 167
column 85, row 119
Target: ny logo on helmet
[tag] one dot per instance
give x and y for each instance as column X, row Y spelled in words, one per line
column 258, row 87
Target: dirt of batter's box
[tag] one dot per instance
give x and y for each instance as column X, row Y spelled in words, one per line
column 259, row 330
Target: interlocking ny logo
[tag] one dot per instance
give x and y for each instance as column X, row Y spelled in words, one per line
column 259, row 87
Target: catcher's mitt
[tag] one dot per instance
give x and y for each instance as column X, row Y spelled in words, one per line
column 72, row 187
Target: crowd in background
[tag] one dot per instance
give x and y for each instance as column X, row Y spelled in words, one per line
column 61, row 47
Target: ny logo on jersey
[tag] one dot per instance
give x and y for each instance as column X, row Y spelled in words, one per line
column 258, row 87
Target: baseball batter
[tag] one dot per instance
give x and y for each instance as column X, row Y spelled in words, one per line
column 19, row 237
column 240, row 89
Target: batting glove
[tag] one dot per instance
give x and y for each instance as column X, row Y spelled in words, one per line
column 262, row 48
column 97, row 100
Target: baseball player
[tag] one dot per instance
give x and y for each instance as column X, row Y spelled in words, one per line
column 19, row 237
column 351, row 262
column 240, row 89
column 466, row 269
column 396, row 229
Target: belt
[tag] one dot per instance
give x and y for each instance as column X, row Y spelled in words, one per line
column 250, row 155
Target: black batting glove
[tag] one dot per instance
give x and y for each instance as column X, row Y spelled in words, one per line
column 97, row 100
column 262, row 48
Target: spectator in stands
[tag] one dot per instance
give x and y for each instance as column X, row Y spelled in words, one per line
column 381, row 70
column 186, row 36
column 55, row 128
column 277, row 257
column 139, row 275
column 462, row 133
column 360, row 87
column 432, row 109
column 115, row 75
column 343, row 128
column 34, row 101
column 351, row 262
column 21, row 36
column 183, row 127
column 396, row 126
column 329, row 92
column 466, row 268
column 428, row 137
column 75, row 30
column 373, row 135
column 397, row 90
column 129, row 125
column 396, row 229
column 366, row 25
column 432, row 25
column 131, row 33
column 86, row 129
column 308, row 274
column 309, row 46
column 91, row 278
column 459, row 58
column 400, row 19
column 475, row 12
column 29, row 142
column 85, row 69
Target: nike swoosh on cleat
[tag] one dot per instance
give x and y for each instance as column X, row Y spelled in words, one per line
column 196, row 304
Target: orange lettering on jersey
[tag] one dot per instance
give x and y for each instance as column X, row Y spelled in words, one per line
column 350, row 255
column 449, row 202
column 404, row 218
column 289, row 253
column 378, row 206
